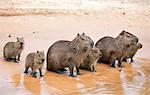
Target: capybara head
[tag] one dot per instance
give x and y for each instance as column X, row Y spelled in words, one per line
column 96, row 53
column 93, row 55
column 82, row 42
column 20, row 42
column 40, row 57
column 128, row 38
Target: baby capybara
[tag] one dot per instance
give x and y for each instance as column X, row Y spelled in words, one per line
column 13, row 50
column 132, row 51
column 35, row 61
column 90, row 61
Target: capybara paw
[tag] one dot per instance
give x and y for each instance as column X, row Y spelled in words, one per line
column 72, row 75
column 34, row 76
column 25, row 72
column 41, row 75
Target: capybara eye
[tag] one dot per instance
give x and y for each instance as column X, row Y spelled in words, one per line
column 128, row 36
column 95, row 51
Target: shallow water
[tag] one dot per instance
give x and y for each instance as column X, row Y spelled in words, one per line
column 134, row 79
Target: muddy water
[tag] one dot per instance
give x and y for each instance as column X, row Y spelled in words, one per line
column 40, row 32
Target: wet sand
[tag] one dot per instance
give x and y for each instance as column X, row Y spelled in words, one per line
column 40, row 32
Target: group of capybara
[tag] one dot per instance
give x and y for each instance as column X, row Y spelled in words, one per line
column 80, row 53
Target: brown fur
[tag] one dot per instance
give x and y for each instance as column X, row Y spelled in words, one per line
column 64, row 53
column 13, row 50
column 132, row 51
column 91, row 59
column 115, row 48
column 35, row 61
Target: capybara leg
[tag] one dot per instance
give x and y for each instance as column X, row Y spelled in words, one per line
column 26, row 71
column 93, row 68
column 125, row 59
column 40, row 73
column 71, row 72
column 120, row 63
column 15, row 60
column 78, row 71
column 18, row 57
column 132, row 59
column 112, row 63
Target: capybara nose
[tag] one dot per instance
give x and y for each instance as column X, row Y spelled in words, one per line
column 140, row 46
column 43, row 60
column 21, row 44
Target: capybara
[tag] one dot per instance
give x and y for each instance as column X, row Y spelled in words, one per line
column 35, row 61
column 90, row 61
column 132, row 51
column 63, row 53
column 13, row 50
column 115, row 48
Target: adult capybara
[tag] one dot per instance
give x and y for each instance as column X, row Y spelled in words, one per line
column 90, row 61
column 132, row 51
column 64, row 53
column 13, row 50
column 35, row 61
column 115, row 48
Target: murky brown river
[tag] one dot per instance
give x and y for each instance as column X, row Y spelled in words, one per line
column 134, row 79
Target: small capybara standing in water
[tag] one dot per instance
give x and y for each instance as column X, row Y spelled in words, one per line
column 132, row 51
column 63, row 54
column 115, row 48
column 35, row 61
column 90, row 61
column 13, row 50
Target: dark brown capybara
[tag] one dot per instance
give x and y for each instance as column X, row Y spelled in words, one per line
column 35, row 61
column 65, row 53
column 115, row 48
column 13, row 50
column 132, row 51
column 91, row 58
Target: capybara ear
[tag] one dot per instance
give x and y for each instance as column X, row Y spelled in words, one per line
column 37, row 51
column 78, row 34
column 17, row 39
column 83, row 33
column 123, row 32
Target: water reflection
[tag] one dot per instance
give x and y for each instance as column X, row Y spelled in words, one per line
column 132, row 80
